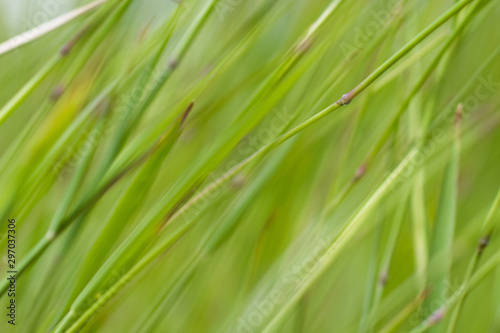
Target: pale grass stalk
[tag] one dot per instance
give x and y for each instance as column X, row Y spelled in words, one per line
column 47, row 27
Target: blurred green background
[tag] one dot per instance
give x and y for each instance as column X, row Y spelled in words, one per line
column 254, row 70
